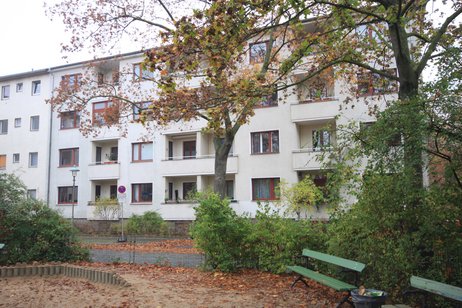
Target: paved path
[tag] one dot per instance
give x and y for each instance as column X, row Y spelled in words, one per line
column 163, row 258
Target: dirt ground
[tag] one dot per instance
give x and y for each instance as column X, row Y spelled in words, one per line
column 156, row 286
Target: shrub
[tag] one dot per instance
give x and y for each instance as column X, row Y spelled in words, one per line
column 220, row 233
column 148, row 223
column 34, row 232
column 107, row 208
column 276, row 240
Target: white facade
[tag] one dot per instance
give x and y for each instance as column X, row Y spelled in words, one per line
column 180, row 158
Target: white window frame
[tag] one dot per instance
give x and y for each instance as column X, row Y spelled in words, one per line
column 16, row 158
column 17, row 122
column 19, row 87
column 3, row 127
column 34, row 123
column 31, row 154
column 6, row 92
column 36, row 87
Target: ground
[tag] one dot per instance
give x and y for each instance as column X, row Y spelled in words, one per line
column 157, row 286
column 164, row 286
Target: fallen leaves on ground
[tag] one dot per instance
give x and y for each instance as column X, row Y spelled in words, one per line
column 180, row 246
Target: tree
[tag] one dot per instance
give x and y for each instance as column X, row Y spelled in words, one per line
column 212, row 43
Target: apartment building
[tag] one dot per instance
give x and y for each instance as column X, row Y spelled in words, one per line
column 159, row 168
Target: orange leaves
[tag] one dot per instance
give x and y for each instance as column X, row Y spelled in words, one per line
column 173, row 246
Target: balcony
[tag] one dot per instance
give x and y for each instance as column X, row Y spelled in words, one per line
column 109, row 170
column 306, row 159
column 201, row 165
column 307, row 111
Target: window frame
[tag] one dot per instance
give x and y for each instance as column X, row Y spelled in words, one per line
column 258, row 58
column 271, row 144
column 188, row 187
column 321, row 143
column 269, row 101
column 3, row 161
column 32, row 121
column 16, row 158
column 6, row 96
column 74, row 195
column 31, row 154
column 142, row 72
column 4, row 127
column 139, row 192
column 17, row 122
column 371, row 81
column 138, row 155
column 29, row 194
column 19, row 87
column 100, row 121
column 189, row 149
column 273, row 194
column 74, row 157
column 75, row 119
column 36, row 87
column 74, row 81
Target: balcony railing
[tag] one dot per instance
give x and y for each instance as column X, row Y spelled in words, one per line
column 310, row 110
column 104, row 170
column 200, row 165
column 306, row 159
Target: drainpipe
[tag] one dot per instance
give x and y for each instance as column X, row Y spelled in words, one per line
column 52, row 77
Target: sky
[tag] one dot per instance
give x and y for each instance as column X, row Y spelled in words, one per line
column 30, row 40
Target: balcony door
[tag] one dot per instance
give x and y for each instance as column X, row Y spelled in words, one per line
column 189, row 149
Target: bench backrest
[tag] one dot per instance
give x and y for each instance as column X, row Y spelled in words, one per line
column 437, row 287
column 352, row 265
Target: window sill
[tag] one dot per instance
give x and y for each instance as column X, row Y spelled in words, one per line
column 68, row 166
column 68, row 204
column 141, row 161
column 268, row 153
column 141, row 203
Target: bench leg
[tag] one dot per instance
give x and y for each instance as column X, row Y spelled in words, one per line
column 346, row 299
column 300, row 278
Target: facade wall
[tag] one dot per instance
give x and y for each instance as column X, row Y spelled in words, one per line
column 167, row 171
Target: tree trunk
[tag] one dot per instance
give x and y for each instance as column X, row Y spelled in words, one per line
column 222, row 148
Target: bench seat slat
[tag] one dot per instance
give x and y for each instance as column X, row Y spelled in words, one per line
column 352, row 265
column 323, row 279
column 437, row 287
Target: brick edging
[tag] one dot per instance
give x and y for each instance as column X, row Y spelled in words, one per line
column 71, row 271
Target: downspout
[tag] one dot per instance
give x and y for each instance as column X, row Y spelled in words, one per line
column 52, row 77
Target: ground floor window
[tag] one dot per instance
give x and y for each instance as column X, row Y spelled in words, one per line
column 65, row 195
column 265, row 189
column 142, row 192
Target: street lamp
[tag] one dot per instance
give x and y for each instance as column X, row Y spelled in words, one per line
column 74, row 171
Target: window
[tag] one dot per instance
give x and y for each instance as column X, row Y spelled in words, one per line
column 372, row 83
column 141, row 193
column 71, row 81
column 3, row 127
column 392, row 140
column 36, row 87
column 258, row 52
column 32, row 194
column 17, row 122
column 141, row 73
column 33, row 159
column 265, row 142
column 70, row 119
column 6, row 92
column 69, row 157
column 141, row 109
column 142, row 151
column 230, row 189
column 321, row 139
column 265, row 189
column 19, row 87
column 65, row 195
column 269, row 101
column 34, row 123
column 99, row 113
column 2, row 161
column 16, row 158
column 113, row 191
column 189, row 189
column 100, row 79
column 189, row 149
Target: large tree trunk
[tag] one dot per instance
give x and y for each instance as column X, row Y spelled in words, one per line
column 222, row 148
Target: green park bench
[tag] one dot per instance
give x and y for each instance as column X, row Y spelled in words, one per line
column 1, row 246
column 426, row 286
column 338, row 285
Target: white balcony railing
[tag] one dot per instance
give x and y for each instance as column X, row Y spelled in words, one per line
column 306, row 159
column 309, row 111
column 201, row 165
column 104, row 171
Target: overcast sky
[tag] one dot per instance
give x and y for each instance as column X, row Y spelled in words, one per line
column 30, row 40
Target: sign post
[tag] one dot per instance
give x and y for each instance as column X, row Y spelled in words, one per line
column 121, row 197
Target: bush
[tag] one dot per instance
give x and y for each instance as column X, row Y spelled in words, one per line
column 270, row 242
column 396, row 241
column 148, row 223
column 34, row 232
column 107, row 209
column 220, row 233
column 276, row 240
